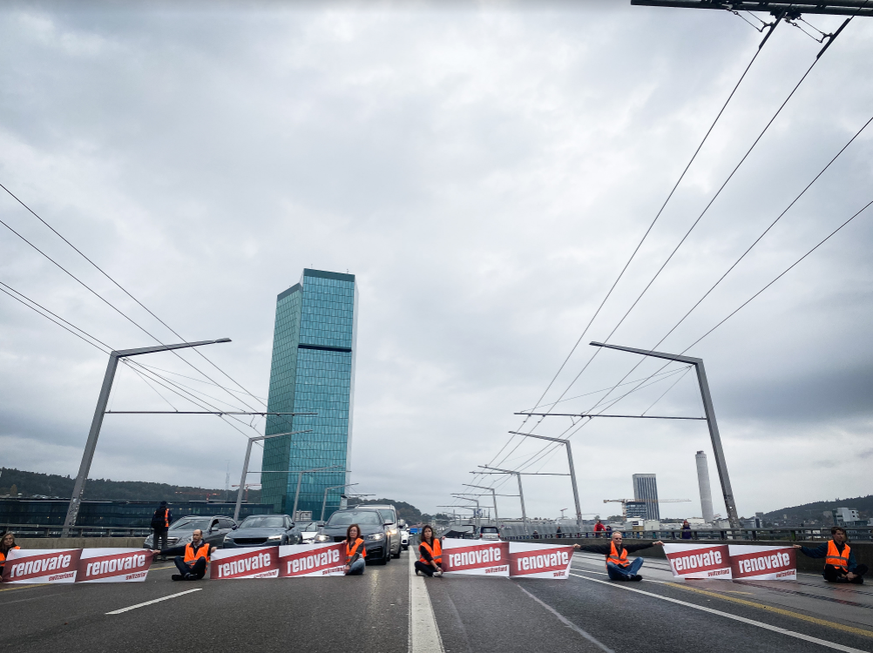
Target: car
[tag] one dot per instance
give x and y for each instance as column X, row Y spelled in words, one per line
column 263, row 530
column 214, row 529
column 489, row 533
column 308, row 531
column 404, row 534
column 389, row 518
column 374, row 530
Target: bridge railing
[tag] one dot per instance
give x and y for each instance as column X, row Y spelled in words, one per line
column 791, row 533
column 38, row 530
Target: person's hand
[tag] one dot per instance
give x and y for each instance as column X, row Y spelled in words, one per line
column 850, row 575
column 577, row 547
column 796, row 546
column 658, row 543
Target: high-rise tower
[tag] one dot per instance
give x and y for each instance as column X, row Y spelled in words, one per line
column 313, row 371
column 646, row 489
column 705, row 488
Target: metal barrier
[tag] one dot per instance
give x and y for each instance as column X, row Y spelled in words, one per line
column 800, row 534
column 37, row 530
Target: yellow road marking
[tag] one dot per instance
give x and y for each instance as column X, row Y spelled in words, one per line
column 23, row 587
column 780, row 611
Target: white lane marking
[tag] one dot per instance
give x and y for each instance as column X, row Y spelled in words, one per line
column 424, row 635
column 567, row 622
column 728, row 615
column 163, row 598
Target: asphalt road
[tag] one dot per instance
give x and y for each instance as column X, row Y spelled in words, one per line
column 374, row 612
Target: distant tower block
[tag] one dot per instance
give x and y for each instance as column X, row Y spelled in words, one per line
column 705, row 489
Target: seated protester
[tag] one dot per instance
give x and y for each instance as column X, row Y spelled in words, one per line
column 7, row 543
column 430, row 562
column 840, row 565
column 193, row 565
column 617, row 565
column 356, row 552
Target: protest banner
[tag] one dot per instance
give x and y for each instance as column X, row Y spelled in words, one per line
column 312, row 560
column 539, row 560
column 751, row 562
column 256, row 562
column 477, row 558
column 41, row 566
column 113, row 565
column 699, row 560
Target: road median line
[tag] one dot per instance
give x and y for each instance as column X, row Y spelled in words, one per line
column 163, row 598
column 424, row 634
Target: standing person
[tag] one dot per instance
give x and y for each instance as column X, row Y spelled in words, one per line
column 7, row 543
column 840, row 565
column 617, row 564
column 193, row 565
column 686, row 530
column 160, row 525
column 598, row 528
column 558, row 533
column 430, row 562
column 356, row 552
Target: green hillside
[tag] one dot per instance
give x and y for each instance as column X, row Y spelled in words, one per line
column 810, row 512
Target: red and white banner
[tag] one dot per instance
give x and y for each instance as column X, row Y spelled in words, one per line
column 312, row 560
column 113, row 565
column 258, row 562
column 475, row 558
column 763, row 562
column 41, row 566
column 699, row 560
column 539, row 560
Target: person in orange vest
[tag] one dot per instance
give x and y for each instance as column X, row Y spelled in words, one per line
column 430, row 562
column 618, row 566
column 840, row 565
column 356, row 552
column 7, row 543
column 193, row 565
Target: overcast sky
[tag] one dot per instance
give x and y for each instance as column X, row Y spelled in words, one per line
column 486, row 171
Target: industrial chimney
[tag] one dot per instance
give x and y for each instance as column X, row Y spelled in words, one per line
column 705, row 489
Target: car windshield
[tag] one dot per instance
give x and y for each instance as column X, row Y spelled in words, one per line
column 191, row 525
column 309, row 526
column 368, row 517
column 489, row 529
column 387, row 515
column 263, row 521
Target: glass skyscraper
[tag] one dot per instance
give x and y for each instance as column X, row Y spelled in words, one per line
column 646, row 489
column 313, row 371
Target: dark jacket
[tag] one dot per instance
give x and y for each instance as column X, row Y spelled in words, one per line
column 605, row 549
column 821, row 551
column 158, row 519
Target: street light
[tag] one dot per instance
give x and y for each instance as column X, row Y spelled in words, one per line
column 245, row 469
column 478, row 510
column 493, row 495
column 572, row 471
column 97, row 421
column 324, row 503
column 518, row 475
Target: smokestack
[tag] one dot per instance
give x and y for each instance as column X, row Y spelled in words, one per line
column 705, row 489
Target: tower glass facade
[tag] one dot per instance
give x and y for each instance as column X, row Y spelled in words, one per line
column 646, row 489
column 313, row 371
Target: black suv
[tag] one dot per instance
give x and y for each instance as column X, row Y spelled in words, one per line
column 374, row 530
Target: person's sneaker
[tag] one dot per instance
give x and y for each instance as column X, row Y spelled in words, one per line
column 636, row 577
column 190, row 577
column 438, row 574
column 417, row 572
column 176, row 577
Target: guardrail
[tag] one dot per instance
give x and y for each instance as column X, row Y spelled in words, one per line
column 799, row 534
column 38, row 530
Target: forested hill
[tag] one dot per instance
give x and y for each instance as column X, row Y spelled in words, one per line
column 813, row 511
column 15, row 482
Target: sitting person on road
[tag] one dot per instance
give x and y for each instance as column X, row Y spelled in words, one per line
column 617, row 564
column 356, row 552
column 7, row 543
column 430, row 562
column 840, row 565
column 193, row 565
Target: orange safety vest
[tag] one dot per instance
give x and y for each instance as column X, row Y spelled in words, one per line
column 351, row 551
column 614, row 558
column 835, row 559
column 202, row 552
column 436, row 552
column 166, row 517
column 3, row 555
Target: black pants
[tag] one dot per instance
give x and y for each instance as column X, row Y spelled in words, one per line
column 198, row 568
column 837, row 575
column 160, row 534
column 426, row 569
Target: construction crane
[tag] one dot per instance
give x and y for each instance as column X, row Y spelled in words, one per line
column 624, row 502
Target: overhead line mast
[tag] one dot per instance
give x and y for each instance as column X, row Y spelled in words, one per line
column 791, row 10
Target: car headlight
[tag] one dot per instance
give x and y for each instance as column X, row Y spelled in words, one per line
column 228, row 539
column 274, row 538
column 321, row 537
column 392, row 531
column 375, row 537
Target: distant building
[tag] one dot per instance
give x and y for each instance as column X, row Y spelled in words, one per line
column 847, row 517
column 313, row 371
column 646, row 490
column 636, row 509
column 705, row 488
